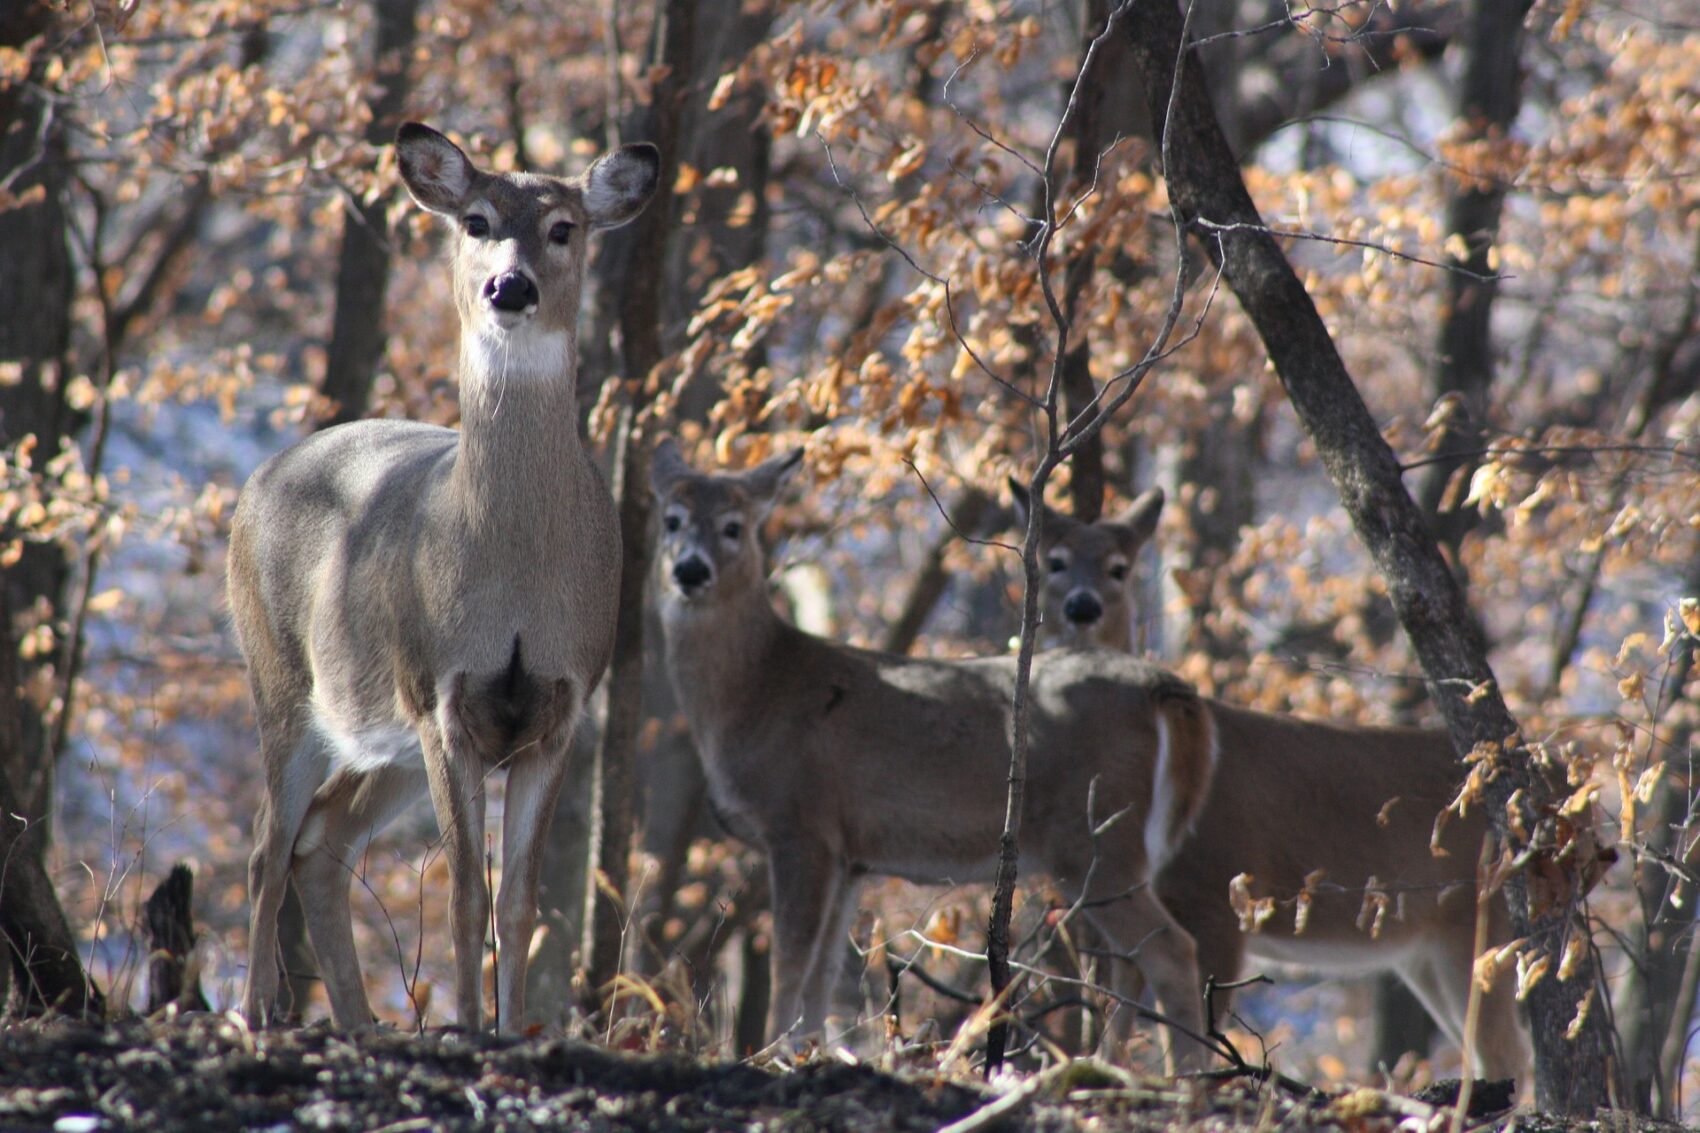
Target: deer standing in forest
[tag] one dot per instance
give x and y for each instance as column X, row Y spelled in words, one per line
column 420, row 606
column 1331, row 823
column 1087, row 597
column 840, row 762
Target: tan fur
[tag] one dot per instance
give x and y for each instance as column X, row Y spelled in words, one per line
column 1294, row 799
column 840, row 762
column 420, row 606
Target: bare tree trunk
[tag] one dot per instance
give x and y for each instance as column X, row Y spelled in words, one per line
column 1464, row 364
column 1654, row 1016
column 639, row 299
column 363, row 265
column 729, row 233
column 972, row 513
column 40, row 951
column 36, row 290
column 1086, row 129
column 1571, row 1034
column 1211, row 477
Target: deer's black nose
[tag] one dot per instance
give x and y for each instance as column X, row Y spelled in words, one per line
column 691, row 573
column 1083, row 608
column 510, row 291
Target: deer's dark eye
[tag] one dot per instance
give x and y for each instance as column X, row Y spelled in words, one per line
column 671, row 523
column 477, row 226
column 1057, row 564
column 560, row 232
column 733, row 529
column 1119, row 571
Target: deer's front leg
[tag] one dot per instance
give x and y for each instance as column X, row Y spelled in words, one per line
column 534, row 782
column 808, row 883
column 454, row 770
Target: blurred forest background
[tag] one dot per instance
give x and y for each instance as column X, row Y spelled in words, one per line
column 204, row 253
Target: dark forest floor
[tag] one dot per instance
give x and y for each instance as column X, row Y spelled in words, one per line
column 207, row 1072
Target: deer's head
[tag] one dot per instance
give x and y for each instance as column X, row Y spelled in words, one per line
column 519, row 248
column 709, row 548
column 1087, row 570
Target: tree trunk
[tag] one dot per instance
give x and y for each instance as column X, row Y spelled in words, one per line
column 363, row 266
column 1087, row 132
column 1210, row 477
column 1545, row 895
column 1464, row 365
column 639, row 298
column 1655, row 1017
column 40, row 950
column 972, row 513
column 729, row 232
column 36, row 291
column 1464, row 361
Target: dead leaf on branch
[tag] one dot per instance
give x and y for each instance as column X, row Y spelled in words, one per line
column 1252, row 911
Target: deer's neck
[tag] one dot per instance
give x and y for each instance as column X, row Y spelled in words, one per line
column 519, row 448
column 723, row 656
column 1117, row 634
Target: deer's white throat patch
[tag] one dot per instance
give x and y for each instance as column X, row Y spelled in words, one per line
column 520, row 353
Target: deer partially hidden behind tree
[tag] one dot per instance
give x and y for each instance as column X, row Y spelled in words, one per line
column 1325, row 829
column 1088, row 596
column 420, row 607
column 840, row 762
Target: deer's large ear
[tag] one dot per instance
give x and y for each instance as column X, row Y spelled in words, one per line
column 1023, row 501
column 666, row 467
column 620, row 183
column 1024, row 504
column 765, row 479
column 435, row 171
column 1139, row 521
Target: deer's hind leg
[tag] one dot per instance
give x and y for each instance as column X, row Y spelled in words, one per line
column 1122, row 906
column 347, row 811
column 1440, row 973
column 296, row 761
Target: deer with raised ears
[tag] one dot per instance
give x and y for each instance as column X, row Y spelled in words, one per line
column 1336, row 821
column 840, row 762
column 420, row 606
column 1088, row 586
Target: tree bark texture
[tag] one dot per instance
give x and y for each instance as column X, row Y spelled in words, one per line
column 1088, row 135
column 1211, row 200
column 972, row 514
column 1009, row 844
column 726, row 231
column 729, row 226
column 1464, row 360
column 363, row 265
column 40, row 951
column 36, row 291
column 1465, row 364
column 639, row 299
